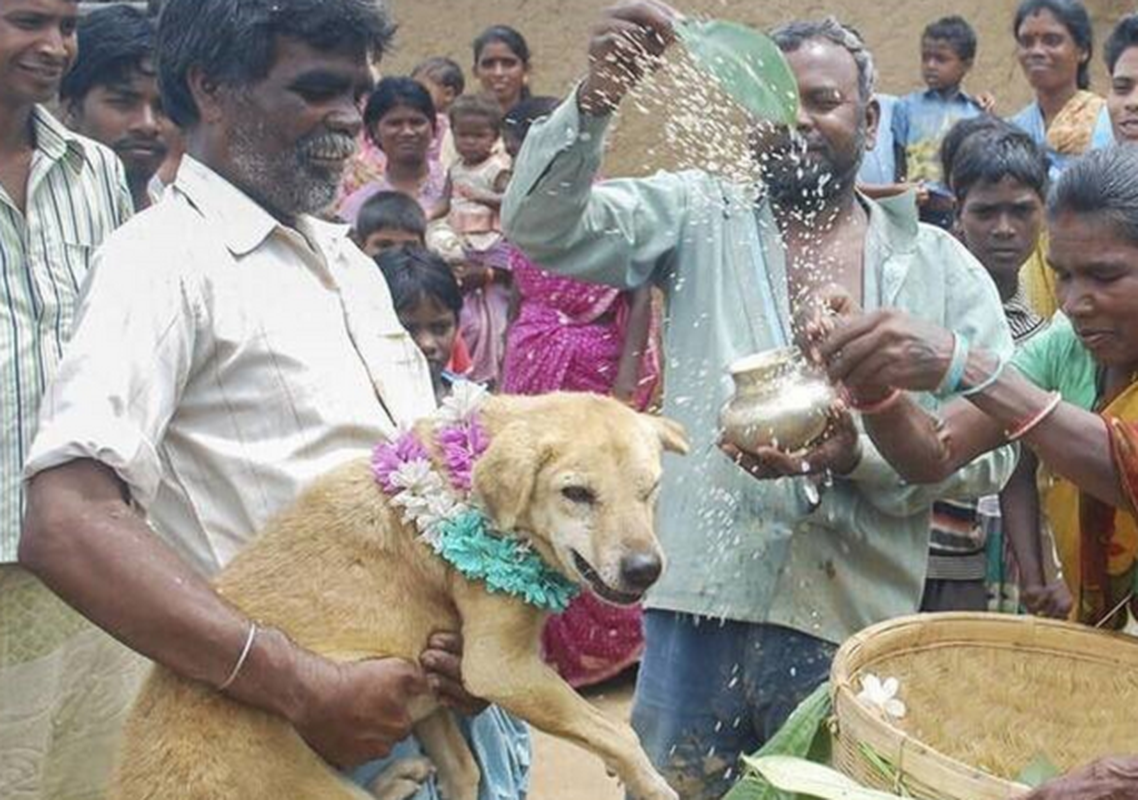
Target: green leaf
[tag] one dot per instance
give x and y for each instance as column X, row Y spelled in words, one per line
column 804, row 734
column 815, row 780
column 748, row 66
column 1038, row 772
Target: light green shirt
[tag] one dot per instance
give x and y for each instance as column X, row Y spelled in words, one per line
column 76, row 195
column 738, row 548
column 1056, row 360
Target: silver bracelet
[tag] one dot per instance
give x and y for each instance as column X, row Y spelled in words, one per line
column 241, row 658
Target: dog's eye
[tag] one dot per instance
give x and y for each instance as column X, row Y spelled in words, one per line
column 579, row 494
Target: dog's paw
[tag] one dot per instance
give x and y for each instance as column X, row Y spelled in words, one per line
column 402, row 779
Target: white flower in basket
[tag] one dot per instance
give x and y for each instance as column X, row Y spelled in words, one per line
column 882, row 696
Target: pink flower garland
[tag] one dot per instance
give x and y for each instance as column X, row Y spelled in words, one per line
column 462, row 444
column 386, row 459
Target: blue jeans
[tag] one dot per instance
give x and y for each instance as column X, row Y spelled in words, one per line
column 500, row 744
column 709, row 691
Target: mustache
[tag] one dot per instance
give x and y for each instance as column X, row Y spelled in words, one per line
column 152, row 142
column 328, row 145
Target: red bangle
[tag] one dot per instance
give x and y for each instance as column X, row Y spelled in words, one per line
column 1024, row 427
column 884, row 404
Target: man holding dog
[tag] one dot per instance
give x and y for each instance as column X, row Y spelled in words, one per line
column 231, row 348
column 61, row 195
column 773, row 559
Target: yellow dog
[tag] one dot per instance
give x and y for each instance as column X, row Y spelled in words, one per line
column 341, row 573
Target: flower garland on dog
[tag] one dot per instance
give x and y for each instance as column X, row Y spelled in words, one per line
column 439, row 506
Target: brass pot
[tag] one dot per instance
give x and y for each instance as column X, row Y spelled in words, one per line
column 779, row 401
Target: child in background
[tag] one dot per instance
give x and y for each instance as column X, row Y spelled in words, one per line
column 471, row 202
column 476, row 182
column 389, row 219
column 443, row 78
column 428, row 302
column 999, row 178
column 921, row 119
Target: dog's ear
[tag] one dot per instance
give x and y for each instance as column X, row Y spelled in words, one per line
column 504, row 477
column 671, row 433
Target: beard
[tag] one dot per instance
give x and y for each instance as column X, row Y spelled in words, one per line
column 809, row 173
column 298, row 180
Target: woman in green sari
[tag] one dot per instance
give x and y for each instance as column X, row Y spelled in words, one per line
column 1070, row 394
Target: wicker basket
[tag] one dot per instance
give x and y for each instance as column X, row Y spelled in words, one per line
column 986, row 695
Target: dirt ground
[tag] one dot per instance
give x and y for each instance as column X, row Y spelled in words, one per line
column 562, row 771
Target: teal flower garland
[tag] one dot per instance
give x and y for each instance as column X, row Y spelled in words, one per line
column 503, row 564
column 438, row 503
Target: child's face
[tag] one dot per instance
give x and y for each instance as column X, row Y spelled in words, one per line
column 434, row 327
column 386, row 238
column 474, row 138
column 1000, row 224
column 941, row 66
column 441, row 96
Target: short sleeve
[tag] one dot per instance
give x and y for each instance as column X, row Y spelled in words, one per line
column 124, row 368
column 1037, row 358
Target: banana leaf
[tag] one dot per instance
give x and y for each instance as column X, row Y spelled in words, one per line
column 747, row 64
column 803, row 735
column 810, row 779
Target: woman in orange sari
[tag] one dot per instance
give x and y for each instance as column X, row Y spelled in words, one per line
column 1071, row 394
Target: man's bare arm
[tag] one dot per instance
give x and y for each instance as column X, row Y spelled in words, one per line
column 85, row 541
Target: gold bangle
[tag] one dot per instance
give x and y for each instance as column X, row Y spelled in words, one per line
column 1029, row 424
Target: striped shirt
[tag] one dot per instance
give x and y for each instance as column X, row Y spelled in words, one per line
column 76, row 195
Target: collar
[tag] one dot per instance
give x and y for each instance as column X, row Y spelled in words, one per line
column 956, row 96
column 242, row 223
column 1019, row 298
column 894, row 228
column 1022, row 320
column 894, row 220
column 55, row 140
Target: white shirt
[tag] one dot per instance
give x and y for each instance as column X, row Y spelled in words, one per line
column 221, row 361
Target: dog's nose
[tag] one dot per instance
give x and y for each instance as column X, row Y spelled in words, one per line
column 640, row 570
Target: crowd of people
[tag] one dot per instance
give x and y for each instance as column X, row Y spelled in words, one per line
column 232, row 259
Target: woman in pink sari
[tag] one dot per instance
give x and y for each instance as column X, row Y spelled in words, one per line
column 566, row 335
column 573, row 336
